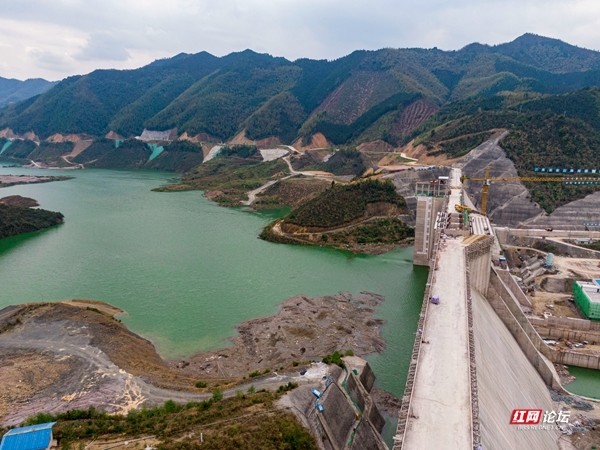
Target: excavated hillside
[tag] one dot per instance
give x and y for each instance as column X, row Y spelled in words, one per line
column 510, row 204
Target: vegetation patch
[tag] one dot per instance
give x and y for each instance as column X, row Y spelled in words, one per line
column 232, row 177
column 341, row 204
column 336, row 357
column 16, row 220
column 245, row 421
column 382, row 231
column 240, row 151
column 291, row 192
column 592, row 246
column 361, row 217
column 345, row 162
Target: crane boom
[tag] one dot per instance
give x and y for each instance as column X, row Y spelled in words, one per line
column 487, row 181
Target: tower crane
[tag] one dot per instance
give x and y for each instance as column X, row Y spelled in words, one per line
column 488, row 180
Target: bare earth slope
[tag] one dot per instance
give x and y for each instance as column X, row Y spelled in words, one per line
column 508, row 203
column 73, row 355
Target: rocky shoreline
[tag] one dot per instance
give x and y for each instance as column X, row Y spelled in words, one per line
column 304, row 330
column 13, row 180
column 73, row 355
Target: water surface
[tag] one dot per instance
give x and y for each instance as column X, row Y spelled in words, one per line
column 586, row 383
column 187, row 271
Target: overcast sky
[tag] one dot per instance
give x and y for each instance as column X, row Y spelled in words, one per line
column 53, row 39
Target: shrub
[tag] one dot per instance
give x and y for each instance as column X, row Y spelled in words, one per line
column 217, row 395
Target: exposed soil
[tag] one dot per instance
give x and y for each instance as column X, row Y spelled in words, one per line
column 412, row 116
column 291, row 192
column 72, row 355
column 419, row 153
column 317, row 140
column 12, row 180
column 579, row 268
column 17, row 200
column 303, row 330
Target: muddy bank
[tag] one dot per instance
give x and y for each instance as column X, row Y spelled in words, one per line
column 72, row 355
column 304, row 329
column 12, row 180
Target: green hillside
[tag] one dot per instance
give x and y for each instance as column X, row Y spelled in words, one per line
column 359, row 217
column 341, row 204
column 17, row 220
column 366, row 95
column 13, row 91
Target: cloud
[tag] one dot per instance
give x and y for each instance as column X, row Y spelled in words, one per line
column 77, row 36
column 103, row 46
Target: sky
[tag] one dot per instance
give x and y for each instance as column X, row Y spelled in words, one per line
column 53, row 39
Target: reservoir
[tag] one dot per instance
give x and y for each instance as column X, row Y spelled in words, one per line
column 187, row 271
column 586, row 383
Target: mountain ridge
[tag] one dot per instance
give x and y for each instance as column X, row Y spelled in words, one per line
column 273, row 96
column 13, row 90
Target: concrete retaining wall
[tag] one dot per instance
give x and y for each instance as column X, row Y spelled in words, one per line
column 365, row 438
column 356, row 394
column 511, row 283
column 366, row 433
column 478, row 263
column 338, row 414
column 507, row 308
column 375, row 418
column 474, row 254
column 572, row 358
column 574, row 330
column 562, row 248
column 367, row 377
column 570, row 335
column 506, row 380
column 350, row 419
column 567, row 322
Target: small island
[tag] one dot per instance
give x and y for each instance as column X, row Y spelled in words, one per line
column 18, row 215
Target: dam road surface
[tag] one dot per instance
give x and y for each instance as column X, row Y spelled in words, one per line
column 441, row 401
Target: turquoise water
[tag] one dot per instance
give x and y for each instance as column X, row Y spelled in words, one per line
column 587, row 382
column 187, row 271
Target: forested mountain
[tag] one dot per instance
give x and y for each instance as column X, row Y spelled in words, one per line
column 13, row 91
column 367, row 95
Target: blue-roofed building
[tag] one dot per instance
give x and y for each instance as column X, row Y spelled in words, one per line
column 34, row 437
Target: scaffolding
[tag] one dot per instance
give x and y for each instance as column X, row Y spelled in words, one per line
column 587, row 298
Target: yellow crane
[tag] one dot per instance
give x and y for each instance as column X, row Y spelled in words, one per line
column 488, row 180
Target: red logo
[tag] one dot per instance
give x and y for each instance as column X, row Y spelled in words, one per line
column 525, row 416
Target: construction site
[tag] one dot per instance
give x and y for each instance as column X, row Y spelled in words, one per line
column 506, row 311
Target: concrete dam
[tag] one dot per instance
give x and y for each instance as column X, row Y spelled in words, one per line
column 476, row 356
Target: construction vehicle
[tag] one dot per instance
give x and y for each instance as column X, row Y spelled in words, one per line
column 488, row 180
column 462, row 208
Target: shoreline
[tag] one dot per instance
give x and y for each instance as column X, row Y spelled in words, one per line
column 76, row 354
column 15, row 180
